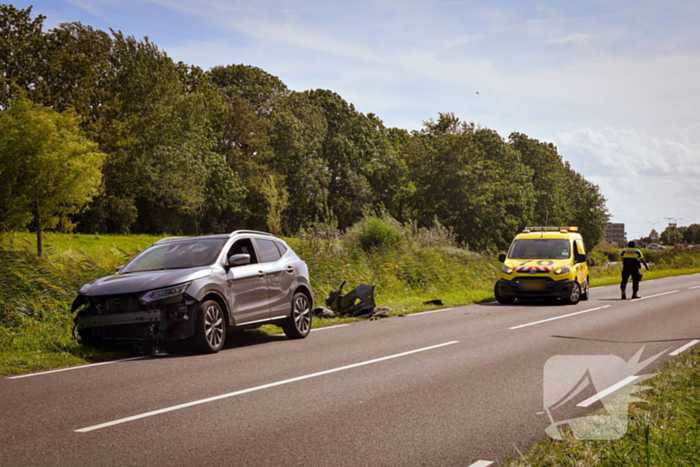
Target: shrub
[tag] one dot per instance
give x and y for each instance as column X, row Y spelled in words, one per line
column 374, row 232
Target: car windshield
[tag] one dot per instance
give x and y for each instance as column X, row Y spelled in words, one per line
column 177, row 255
column 540, row 249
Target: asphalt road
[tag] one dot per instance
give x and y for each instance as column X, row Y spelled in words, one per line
column 440, row 388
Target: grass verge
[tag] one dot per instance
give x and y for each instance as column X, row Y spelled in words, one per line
column 663, row 431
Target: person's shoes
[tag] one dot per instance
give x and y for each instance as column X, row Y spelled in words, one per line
column 624, row 295
column 635, row 296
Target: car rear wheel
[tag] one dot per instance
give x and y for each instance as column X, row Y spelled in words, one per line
column 298, row 325
column 575, row 294
column 585, row 293
column 210, row 331
column 505, row 300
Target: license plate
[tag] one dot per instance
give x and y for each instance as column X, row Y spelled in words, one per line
column 533, row 285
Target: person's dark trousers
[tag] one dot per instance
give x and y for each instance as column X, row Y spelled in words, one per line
column 635, row 280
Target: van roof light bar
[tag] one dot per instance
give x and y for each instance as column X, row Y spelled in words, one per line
column 564, row 229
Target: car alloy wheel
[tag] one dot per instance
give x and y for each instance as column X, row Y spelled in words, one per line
column 213, row 326
column 210, row 331
column 575, row 295
column 298, row 325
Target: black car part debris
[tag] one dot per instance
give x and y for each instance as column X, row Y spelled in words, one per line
column 434, row 302
column 359, row 301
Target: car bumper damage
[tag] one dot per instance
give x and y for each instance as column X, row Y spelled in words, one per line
column 125, row 319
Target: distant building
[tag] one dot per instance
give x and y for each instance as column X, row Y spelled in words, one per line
column 615, row 234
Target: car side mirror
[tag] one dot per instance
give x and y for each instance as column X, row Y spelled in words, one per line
column 239, row 259
column 581, row 258
column 502, row 257
column 119, row 268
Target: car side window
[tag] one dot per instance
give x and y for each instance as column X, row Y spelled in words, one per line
column 245, row 246
column 268, row 251
column 281, row 248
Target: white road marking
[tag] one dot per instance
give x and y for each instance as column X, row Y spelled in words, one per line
column 256, row 388
column 685, row 347
column 78, row 367
column 326, row 327
column 481, row 464
column 559, row 317
column 604, row 393
column 657, row 295
column 431, row 311
column 696, row 287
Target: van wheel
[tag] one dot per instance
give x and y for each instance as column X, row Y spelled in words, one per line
column 575, row 294
column 585, row 292
column 505, row 300
column 298, row 325
column 210, row 330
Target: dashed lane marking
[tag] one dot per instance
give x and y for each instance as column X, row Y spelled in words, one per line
column 559, row 317
column 256, row 388
column 685, row 347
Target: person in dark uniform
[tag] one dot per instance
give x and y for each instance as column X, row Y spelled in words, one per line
column 632, row 260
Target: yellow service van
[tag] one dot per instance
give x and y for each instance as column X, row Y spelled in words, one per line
column 544, row 262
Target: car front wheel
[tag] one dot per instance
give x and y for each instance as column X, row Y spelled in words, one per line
column 505, row 300
column 210, row 330
column 586, row 291
column 575, row 294
column 298, row 325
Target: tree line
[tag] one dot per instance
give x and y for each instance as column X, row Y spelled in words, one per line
column 183, row 150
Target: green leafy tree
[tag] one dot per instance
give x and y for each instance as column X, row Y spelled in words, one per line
column 48, row 171
column 277, row 200
column 22, row 46
column 692, row 234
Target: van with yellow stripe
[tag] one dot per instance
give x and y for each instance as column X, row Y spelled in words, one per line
column 544, row 262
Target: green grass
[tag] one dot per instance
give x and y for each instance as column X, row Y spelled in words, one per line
column 663, row 431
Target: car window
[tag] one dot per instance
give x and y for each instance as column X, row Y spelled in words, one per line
column 281, row 247
column 268, row 251
column 243, row 246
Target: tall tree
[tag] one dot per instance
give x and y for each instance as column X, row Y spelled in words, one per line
column 48, row 171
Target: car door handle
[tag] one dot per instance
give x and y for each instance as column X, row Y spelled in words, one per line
column 261, row 273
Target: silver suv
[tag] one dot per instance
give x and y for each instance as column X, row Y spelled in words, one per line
column 196, row 288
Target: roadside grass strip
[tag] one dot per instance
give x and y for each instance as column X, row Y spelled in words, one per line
column 662, row 431
column 684, row 348
column 78, row 367
column 257, row 388
column 559, row 317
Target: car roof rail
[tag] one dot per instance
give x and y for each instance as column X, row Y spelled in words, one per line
column 167, row 239
column 257, row 232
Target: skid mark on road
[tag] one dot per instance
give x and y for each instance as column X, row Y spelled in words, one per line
column 559, row 317
column 256, row 388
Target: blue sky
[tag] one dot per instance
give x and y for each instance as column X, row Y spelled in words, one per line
column 614, row 84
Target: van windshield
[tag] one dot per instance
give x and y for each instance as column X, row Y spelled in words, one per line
column 544, row 248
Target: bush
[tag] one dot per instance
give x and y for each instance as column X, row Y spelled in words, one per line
column 374, row 232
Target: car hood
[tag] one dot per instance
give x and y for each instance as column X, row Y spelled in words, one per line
column 549, row 264
column 142, row 281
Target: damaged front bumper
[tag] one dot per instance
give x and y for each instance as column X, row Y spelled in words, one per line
column 125, row 319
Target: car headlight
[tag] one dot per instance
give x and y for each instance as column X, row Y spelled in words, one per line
column 162, row 294
column 564, row 270
column 506, row 270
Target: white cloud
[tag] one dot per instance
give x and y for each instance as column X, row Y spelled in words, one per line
column 576, row 39
column 645, row 178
